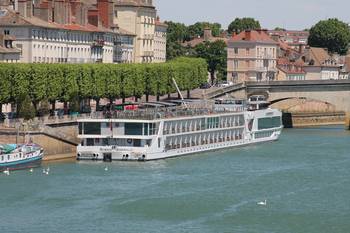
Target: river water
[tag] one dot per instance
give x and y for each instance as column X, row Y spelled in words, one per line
column 305, row 178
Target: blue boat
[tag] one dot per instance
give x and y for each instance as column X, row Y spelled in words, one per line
column 20, row 156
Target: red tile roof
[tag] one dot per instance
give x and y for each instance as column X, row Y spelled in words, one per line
column 11, row 18
column 253, row 36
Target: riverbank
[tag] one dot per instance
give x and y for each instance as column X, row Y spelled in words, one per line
column 59, row 157
column 299, row 120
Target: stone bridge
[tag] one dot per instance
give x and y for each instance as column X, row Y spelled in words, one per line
column 335, row 92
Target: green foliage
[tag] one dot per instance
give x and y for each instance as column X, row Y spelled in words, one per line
column 177, row 32
column 279, row 29
column 25, row 109
column 197, row 29
column 6, row 73
column 332, row 34
column 242, row 24
column 216, row 56
column 74, row 103
column 44, row 108
column 39, row 83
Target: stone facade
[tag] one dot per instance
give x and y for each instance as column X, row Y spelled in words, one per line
column 58, row 39
column 160, row 42
column 319, row 64
column 139, row 18
column 8, row 53
column 125, row 48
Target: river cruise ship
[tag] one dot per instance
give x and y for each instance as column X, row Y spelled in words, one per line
column 165, row 132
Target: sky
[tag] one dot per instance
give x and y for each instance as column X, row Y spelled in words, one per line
column 292, row 15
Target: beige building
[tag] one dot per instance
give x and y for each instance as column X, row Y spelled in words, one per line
column 8, row 53
column 319, row 64
column 251, row 56
column 139, row 18
column 125, row 47
column 50, row 42
column 160, row 41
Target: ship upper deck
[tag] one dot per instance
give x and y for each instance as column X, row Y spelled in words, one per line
column 150, row 114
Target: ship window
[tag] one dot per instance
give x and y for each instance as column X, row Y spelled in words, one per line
column 92, row 128
column 137, row 143
column 133, row 128
column 145, row 129
column 213, row 122
column 90, row 142
column 268, row 123
column 152, row 129
column 80, row 125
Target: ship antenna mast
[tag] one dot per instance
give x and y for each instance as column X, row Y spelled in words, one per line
column 178, row 91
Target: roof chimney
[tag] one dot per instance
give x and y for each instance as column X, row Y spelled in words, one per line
column 247, row 35
column 207, row 33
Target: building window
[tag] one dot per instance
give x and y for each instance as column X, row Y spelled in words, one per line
column 235, row 64
column 236, row 50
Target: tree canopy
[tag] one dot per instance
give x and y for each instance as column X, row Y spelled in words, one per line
column 30, row 84
column 197, row 29
column 242, row 24
column 215, row 54
column 332, row 34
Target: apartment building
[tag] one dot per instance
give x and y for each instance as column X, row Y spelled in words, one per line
column 160, row 41
column 60, row 31
column 251, row 56
column 139, row 17
column 297, row 40
column 290, row 70
column 8, row 53
column 125, row 49
column 319, row 64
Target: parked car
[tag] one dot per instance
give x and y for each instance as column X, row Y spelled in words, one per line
column 224, row 84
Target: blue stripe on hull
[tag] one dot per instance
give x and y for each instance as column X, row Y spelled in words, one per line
column 22, row 164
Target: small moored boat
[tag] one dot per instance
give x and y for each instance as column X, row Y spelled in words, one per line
column 20, row 156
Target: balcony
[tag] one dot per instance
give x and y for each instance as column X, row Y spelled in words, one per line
column 147, row 37
column 147, row 54
column 252, row 68
column 98, row 43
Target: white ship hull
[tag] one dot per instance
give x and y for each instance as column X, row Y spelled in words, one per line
column 120, row 155
column 173, row 137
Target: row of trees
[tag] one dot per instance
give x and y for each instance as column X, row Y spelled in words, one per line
column 68, row 82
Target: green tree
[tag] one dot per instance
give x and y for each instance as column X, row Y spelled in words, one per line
column 242, row 24
column 36, row 77
column 197, row 29
column 69, row 84
column 113, row 83
column 25, row 109
column 54, row 83
column 279, row 29
column 215, row 54
column 332, row 34
column 6, row 73
column 177, row 32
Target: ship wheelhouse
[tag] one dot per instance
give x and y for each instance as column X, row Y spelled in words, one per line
column 117, row 133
